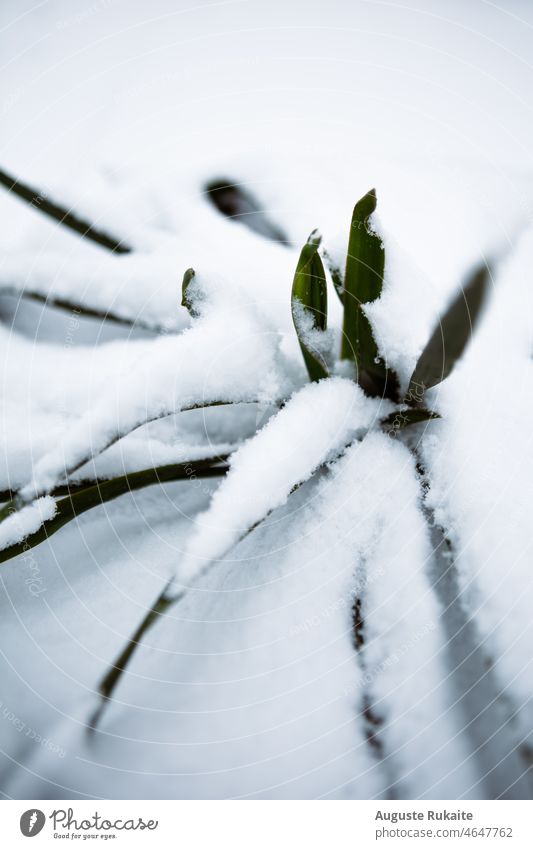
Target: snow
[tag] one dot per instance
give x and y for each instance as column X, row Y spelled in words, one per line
column 251, row 685
column 24, row 522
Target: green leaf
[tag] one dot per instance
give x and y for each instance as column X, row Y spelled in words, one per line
column 81, row 310
column 452, row 334
column 41, row 202
column 309, row 304
column 363, row 282
column 400, row 419
column 186, row 302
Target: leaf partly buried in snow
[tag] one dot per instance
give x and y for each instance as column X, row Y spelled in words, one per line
column 186, row 301
column 309, row 305
column 452, row 334
column 79, row 497
column 404, row 418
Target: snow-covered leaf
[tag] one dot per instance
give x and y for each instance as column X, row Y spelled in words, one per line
column 37, row 522
column 263, row 473
column 313, row 427
column 203, row 367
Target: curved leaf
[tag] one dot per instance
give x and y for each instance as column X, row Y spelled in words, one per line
column 309, row 304
column 452, row 334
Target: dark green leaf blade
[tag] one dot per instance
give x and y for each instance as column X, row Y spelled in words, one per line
column 452, row 334
column 363, row 282
column 400, row 419
column 310, row 300
column 41, row 202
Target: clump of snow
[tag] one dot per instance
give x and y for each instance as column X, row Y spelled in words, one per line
column 317, row 423
column 319, row 342
column 21, row 523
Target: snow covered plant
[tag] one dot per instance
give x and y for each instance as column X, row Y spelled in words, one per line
column 351, row 392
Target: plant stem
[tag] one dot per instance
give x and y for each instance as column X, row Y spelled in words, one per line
column 81, row 498
column 39, row 201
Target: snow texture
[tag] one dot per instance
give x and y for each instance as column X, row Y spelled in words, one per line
column 24, row 522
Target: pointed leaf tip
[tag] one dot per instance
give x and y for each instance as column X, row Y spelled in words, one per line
column 363, row 283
